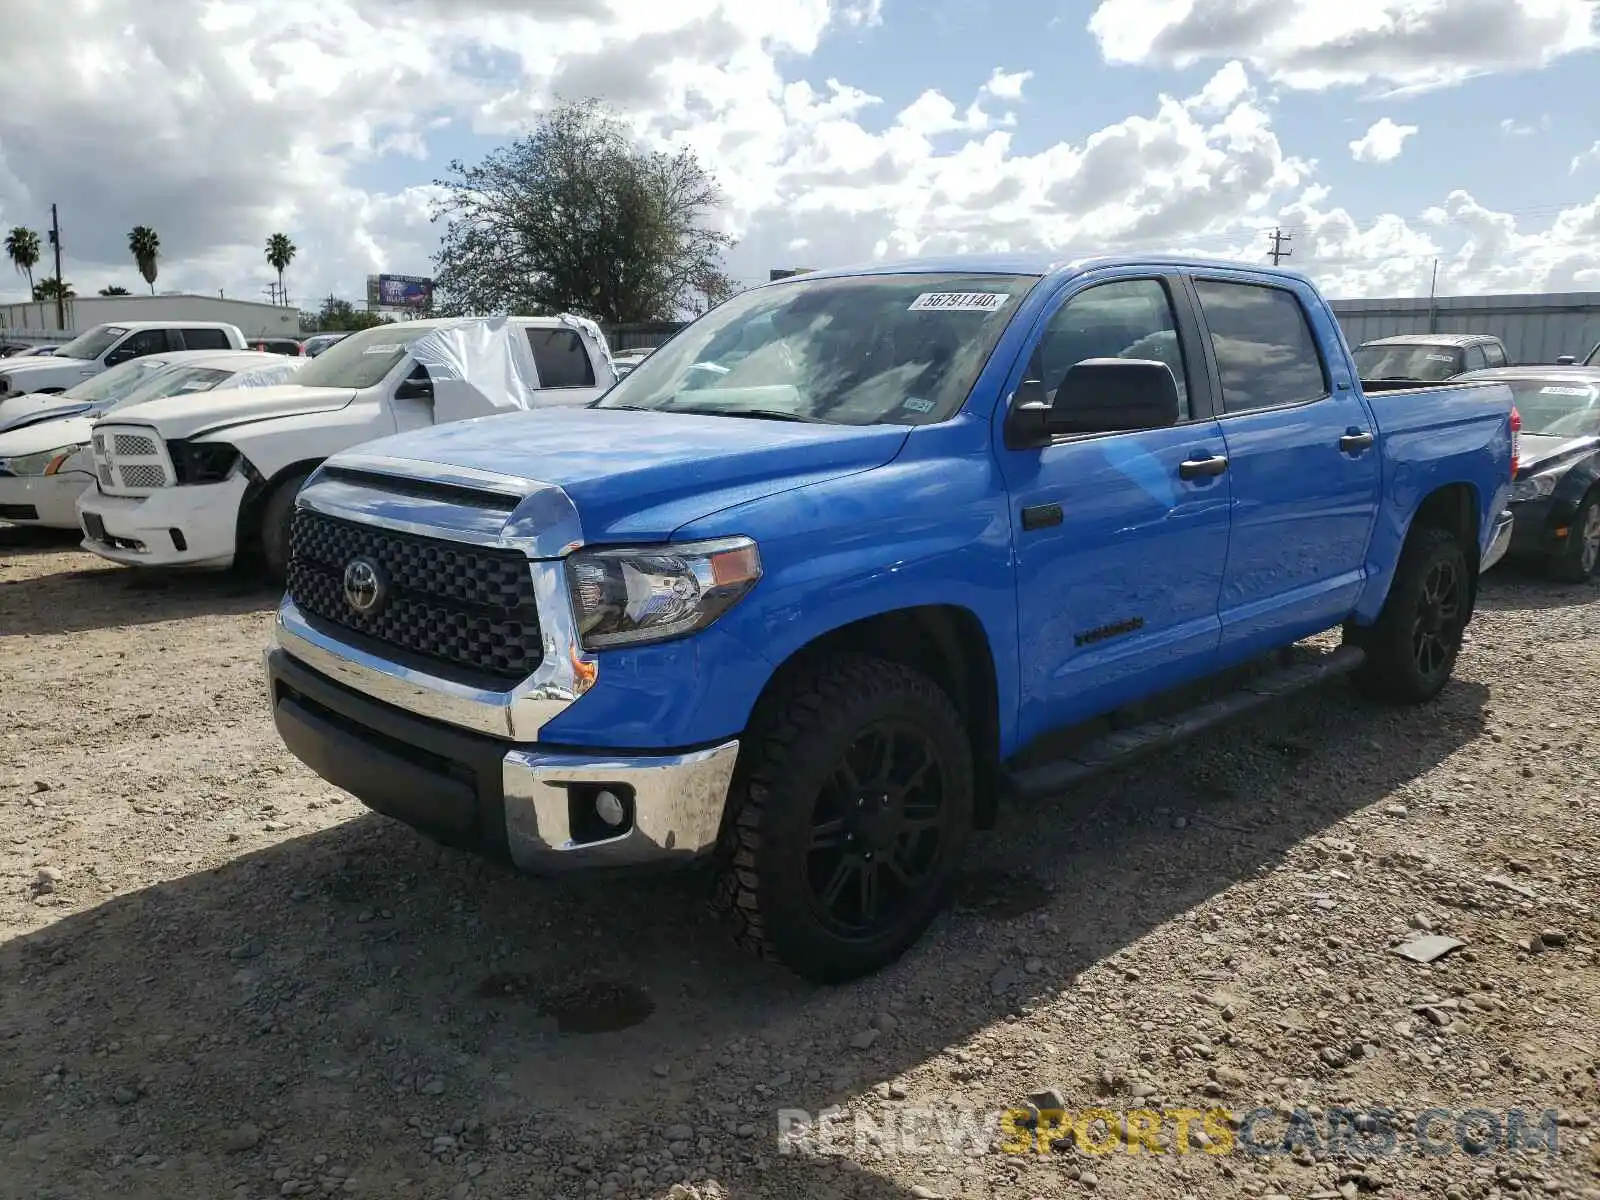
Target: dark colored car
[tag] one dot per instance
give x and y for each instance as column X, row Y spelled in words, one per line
column 1408, row 358
column 318, row 342
column 278, row 346
column 1556, row 493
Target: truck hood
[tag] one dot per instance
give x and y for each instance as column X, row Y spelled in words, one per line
column 31, row 374
column 45, row 435
column 642, row 475
column 191, row 415
column 34, row 407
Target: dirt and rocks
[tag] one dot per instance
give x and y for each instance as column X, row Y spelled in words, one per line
column 220, row 977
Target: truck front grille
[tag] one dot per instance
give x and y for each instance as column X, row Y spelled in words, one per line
column 469, row 607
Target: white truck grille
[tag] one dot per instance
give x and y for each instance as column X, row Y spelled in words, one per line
column 130, row 459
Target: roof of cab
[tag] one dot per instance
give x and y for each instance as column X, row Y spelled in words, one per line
column 1033, row 264
column 183, row 322
column 1434, row 339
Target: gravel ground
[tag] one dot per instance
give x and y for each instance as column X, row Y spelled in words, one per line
column 220, row 977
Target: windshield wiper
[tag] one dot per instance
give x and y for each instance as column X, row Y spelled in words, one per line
column 760, row 414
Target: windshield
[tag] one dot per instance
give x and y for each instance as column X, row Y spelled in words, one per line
column 854, row 350
column 115, row 383
column 92, row 344
column 362, row 359
column 1557, row 407
column 178, row 381
column 1426, row 364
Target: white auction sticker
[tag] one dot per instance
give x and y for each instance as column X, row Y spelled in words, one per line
column 959, row 302
column 1567, row 391
column 386, row 348
column 1441, row 358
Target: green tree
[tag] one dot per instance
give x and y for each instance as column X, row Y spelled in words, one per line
column 280, row 253
column 575, row 217
column 145, row 247
column 22, row 248
column 114, row 290
column 338, row 316
column 47, row 289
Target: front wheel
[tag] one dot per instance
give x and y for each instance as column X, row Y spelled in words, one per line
column 1578, row 557
column 1412, row 647
column 275, row 516
column 853, row 814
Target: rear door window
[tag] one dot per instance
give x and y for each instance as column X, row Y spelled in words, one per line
column 561, row 358
column 205, row 339
column 144, row 341
column 1266, row 355
column 1494, row 354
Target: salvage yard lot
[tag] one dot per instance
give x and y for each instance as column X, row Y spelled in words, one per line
column 221, row 977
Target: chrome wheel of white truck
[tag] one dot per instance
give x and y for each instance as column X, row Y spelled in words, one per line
column 856, row 807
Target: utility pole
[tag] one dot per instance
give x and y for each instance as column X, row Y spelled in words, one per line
column 272, row 292
column 1279, row 240
column 61, row 299
column 1433, row 289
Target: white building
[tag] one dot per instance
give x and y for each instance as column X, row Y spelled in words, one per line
column 36, row 320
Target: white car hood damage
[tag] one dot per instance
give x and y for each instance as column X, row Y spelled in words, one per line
column 191, row 415
column 47, row 435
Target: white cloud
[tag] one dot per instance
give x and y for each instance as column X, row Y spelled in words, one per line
column 1382, row 142
column 1320, row 43
column 221, row 121
column 1580, row 161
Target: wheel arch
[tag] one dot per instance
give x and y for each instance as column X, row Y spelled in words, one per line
column 1455, row 507
column 248, row 527
column 947, row 643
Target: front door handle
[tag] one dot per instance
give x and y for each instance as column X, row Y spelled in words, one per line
column 1355, row 441
column 1199, row 468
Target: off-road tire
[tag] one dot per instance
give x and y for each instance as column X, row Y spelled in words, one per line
column 274, row 533
column 1391, row 671
column 1566, row 564
column 799, row 739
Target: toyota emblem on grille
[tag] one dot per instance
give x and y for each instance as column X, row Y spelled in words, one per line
column 364, row 586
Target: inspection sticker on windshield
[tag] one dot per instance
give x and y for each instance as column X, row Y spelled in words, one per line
column 959, row 302
column 1441, row 358
column 115, row 331
column 1566, row 391
column 918, row 406
column 386, row 348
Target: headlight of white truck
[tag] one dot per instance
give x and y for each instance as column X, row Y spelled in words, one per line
column 46, row 462
column 628, row 596
column 1536, row 487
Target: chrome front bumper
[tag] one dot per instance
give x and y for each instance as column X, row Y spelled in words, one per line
column 1499, row 541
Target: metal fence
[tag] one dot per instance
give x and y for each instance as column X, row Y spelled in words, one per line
column 643, row 335
column 1534, row 328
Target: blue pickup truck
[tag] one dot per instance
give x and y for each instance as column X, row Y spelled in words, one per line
column 860, row 552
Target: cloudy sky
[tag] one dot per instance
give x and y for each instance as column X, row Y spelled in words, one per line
column 1380, row 134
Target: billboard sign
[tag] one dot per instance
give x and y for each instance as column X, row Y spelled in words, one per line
column 399, row 291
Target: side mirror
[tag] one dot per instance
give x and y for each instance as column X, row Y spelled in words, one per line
column 414, row 389
column 1098, row 395
column 1566, row 360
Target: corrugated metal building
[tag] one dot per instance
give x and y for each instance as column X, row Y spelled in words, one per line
column 1536, row 328
column 36, row 320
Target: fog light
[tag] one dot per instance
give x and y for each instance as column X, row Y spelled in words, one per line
column 608, row 807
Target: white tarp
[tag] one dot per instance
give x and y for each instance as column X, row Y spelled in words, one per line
column 270, row 375
column 478, row 366
column 584, row 325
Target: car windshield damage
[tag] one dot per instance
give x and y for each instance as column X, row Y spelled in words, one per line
column 362, row 359
column 1557, row 407
column 853, row 350
column 1426, row 364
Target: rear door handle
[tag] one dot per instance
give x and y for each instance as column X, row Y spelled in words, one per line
column 1199, row 468
column 1355, row 441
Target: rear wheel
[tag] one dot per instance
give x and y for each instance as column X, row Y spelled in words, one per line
column 275, row 515
column 1412, row 647
column 852, row 817
column 1578, row 557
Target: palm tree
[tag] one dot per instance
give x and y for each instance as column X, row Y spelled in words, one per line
column 145, row 247
column 22, row 248
column 114, row 290
column 46, row 289
column 280, row 253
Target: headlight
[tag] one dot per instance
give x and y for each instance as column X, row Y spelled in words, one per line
column 47, row 462
column 202, row 462
column 655, row 593
column 1536, row 487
